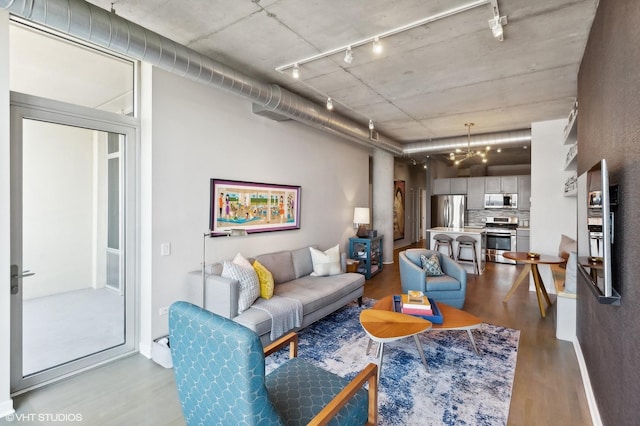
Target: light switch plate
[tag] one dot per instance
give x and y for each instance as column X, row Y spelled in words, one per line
column 165, row 249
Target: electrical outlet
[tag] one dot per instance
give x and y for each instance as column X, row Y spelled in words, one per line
column 164, row 311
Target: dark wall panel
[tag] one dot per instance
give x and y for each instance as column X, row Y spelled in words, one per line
column 609, row 127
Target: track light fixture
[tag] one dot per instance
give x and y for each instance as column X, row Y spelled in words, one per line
column 497, row 22
column 295, row 73
column 329, row 104
column 371, row 126
column 348, row 55
column 377, row 46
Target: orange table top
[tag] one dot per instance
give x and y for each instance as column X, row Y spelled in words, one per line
column 453, row 318
column 523, row 257
column 386, row 325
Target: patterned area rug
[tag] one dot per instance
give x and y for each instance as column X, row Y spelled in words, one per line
column 461, row 388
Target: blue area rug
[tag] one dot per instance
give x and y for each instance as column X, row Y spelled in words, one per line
column 461, row 388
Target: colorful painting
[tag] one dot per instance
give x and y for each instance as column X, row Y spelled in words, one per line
column 398, row 210
column 253, row 207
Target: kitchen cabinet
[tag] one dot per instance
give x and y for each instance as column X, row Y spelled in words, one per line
column 475, row 193
column 450, row 186
column 459, row 186
column 522, row 239
column 368, row 253
column 442, row 186
column 501, row 184
column 524, row 192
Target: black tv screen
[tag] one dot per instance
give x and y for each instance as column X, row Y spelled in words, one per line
column 595, row 227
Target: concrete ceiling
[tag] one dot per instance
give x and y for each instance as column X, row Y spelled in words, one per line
column 428, row 82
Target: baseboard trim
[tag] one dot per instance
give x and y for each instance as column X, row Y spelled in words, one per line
column 145, row 350
column 591, row 399
column 6, row 408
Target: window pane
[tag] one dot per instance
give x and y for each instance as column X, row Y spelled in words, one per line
column 82, row 76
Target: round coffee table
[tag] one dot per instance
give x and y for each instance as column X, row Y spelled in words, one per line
column 385, row 326
column 453, row 318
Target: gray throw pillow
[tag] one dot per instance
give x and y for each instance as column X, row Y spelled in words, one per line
column 431, row 265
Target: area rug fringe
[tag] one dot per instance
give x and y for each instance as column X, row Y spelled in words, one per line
column 461, row 388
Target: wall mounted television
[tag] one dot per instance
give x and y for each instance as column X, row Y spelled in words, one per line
column 595, row 230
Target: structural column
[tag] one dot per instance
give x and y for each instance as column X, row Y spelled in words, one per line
column 383, row 200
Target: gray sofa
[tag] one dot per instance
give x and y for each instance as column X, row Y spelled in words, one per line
column 450, row 288
column 291, row 271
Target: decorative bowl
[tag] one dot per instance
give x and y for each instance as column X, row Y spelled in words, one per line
column 532, row 255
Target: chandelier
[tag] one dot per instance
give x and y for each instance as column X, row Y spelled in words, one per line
column 459, row 156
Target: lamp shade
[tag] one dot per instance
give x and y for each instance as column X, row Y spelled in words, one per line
column 361, row 215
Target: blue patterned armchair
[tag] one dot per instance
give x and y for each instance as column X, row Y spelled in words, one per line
column 220, row 375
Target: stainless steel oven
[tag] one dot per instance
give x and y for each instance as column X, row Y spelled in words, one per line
column 501, row 237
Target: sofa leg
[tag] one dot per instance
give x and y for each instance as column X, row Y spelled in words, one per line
column 360, row 301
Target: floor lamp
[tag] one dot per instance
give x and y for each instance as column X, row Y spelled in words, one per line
column 210, row 233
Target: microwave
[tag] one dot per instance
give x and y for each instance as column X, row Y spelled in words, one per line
column 500, row 201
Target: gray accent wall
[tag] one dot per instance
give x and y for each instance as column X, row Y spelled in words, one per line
column 609, row 110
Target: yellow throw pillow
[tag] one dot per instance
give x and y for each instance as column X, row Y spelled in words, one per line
column 266, row 280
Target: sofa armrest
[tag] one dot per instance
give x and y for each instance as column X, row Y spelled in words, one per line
column 221, row 295
column 412, row 276
column 455, row 270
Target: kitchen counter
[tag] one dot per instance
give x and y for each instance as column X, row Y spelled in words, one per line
column 465, row 230
column 479, row 234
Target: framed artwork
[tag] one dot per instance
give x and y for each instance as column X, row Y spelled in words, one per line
column 252, row 207
column 398, row 209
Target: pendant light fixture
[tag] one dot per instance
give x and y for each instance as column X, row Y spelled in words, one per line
column 459, row 158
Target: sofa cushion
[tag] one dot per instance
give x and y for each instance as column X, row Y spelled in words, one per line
column 317, row 292
column 280, row 264
column 242, row 261
column 265, row 278
column 327, row 262
column 249, row 284
column 302, row 264
column 442, row 283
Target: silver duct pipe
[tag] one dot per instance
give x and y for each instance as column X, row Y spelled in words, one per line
column 516, row 138
column 90, row 23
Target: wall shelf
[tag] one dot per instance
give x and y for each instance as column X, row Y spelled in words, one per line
column 571, row 129
column 614, row 299
column 572, row 157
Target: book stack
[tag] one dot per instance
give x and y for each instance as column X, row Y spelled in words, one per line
column 416, row 303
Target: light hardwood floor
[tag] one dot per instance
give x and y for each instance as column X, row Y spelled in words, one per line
column 547, row 389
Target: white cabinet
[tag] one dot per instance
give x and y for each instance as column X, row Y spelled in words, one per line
column 459, row 186
column 501, row 184
column 524, row 193
column 442, row 186
column 450, row 186
column 475, row 193
column 522, row 240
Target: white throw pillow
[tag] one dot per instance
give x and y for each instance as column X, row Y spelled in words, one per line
column 249, row 284
column 327, row 262
column 242, row 261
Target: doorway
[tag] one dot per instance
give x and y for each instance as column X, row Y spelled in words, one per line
column 72, row 239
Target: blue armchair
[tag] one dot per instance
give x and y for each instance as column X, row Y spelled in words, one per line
column 220, row 375
column 450, row 288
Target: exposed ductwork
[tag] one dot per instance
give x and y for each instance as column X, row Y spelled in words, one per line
column 92, row 24
column 511, row 139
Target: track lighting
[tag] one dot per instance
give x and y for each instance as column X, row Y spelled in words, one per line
column 497, row 22
column 295, row 73
column 377, row 46
column 329, row 104
column 371, row 126
column 348, row 55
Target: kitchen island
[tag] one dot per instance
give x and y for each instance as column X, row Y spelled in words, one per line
column 477, row 234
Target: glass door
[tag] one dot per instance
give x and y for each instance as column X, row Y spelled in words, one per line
column 72, row 299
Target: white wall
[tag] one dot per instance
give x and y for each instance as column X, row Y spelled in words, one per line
column 552, row 214
column 199, row 133
column 6, row 405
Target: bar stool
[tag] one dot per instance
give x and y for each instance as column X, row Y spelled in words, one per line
column 465, row 241
column 445, row 241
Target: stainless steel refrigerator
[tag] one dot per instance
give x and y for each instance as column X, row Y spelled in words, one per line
column 447, row 211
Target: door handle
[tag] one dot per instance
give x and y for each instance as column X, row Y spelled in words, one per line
column 15, row 275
